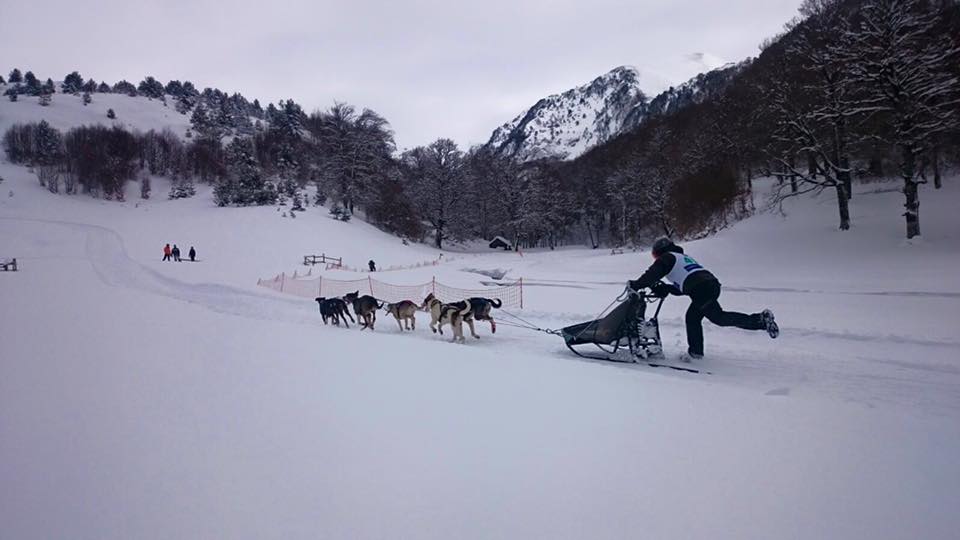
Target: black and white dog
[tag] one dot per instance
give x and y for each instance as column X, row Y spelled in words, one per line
column 469, row 310
column 480, row 309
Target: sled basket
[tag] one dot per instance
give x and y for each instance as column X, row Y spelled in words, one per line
column 625, row 327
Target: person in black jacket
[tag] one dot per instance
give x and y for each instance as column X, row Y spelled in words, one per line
column 192, row 254
column 689, row 278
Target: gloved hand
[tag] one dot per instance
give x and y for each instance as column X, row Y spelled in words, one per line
column 633, row 285
column 661, row 290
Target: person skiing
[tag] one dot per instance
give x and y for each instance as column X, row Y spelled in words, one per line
column 372, row 265
column 176, row 253
column 193, row 254
column 166, row 252
column 689, row 278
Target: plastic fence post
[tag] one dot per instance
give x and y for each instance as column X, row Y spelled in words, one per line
column 433, row 285
column 283, row 277
column 521, row 293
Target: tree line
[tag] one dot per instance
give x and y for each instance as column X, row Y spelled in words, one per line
column 852, row 89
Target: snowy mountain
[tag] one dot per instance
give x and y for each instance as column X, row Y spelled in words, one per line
column 697, row 90
column 568, row 124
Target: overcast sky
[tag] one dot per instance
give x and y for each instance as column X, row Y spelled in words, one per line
column 433, row 69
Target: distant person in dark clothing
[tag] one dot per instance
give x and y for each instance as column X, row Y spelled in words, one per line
column 166, row 252
column 689, row 278
column 193, row 254
column 176, row 253
column 372, row 265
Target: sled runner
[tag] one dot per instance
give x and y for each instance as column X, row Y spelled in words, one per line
column 624, row 334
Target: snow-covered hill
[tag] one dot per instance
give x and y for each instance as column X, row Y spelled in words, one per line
column 144, row 399
column 568, row 124
column 66, row 111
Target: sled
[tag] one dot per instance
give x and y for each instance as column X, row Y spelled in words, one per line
column 624, row 334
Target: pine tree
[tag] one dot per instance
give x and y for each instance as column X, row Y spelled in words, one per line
column 15, row 76
column 125, row 87
column 204, row 126
column 12, row 96
column 103, row 88
column 244, row 183
column 45, row 99
column 174, row 88
column 31, row 84
column 90, row 86
column 86, row 99
column 110, row 114
column 72, row 83
column 151, row 88
column 2, row 81
column 49, row 152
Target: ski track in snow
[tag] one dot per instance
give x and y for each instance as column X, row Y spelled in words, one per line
column 861, row 375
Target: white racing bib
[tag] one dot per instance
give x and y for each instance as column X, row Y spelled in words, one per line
column 682, row 268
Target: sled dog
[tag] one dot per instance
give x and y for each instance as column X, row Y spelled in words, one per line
column 404, row 311
column 365, row 307
column 335, row 309
column 441, row 314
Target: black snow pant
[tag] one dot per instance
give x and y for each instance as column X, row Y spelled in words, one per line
column 704, row 304
column 166, row 257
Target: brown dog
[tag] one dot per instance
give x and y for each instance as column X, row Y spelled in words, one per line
column 365, row 307
column 404, row 310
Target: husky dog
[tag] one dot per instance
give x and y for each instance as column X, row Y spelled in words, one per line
column 441, row 314
column 452, row 315
column 365, row 307
column 480, row 310
column 405, row 311
column 334, row 308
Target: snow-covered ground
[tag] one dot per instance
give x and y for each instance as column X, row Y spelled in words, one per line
column 144, row 399
column 66, row 111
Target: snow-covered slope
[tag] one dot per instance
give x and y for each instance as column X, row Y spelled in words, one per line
column 697, row 90
column 143, row 399
column 66, row 111
column 568, row 124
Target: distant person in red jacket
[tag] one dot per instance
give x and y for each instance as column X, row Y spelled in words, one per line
column 167, row 252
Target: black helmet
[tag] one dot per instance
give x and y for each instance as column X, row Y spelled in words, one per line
column 661, row 246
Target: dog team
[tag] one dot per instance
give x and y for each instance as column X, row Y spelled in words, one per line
column 456, row 314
